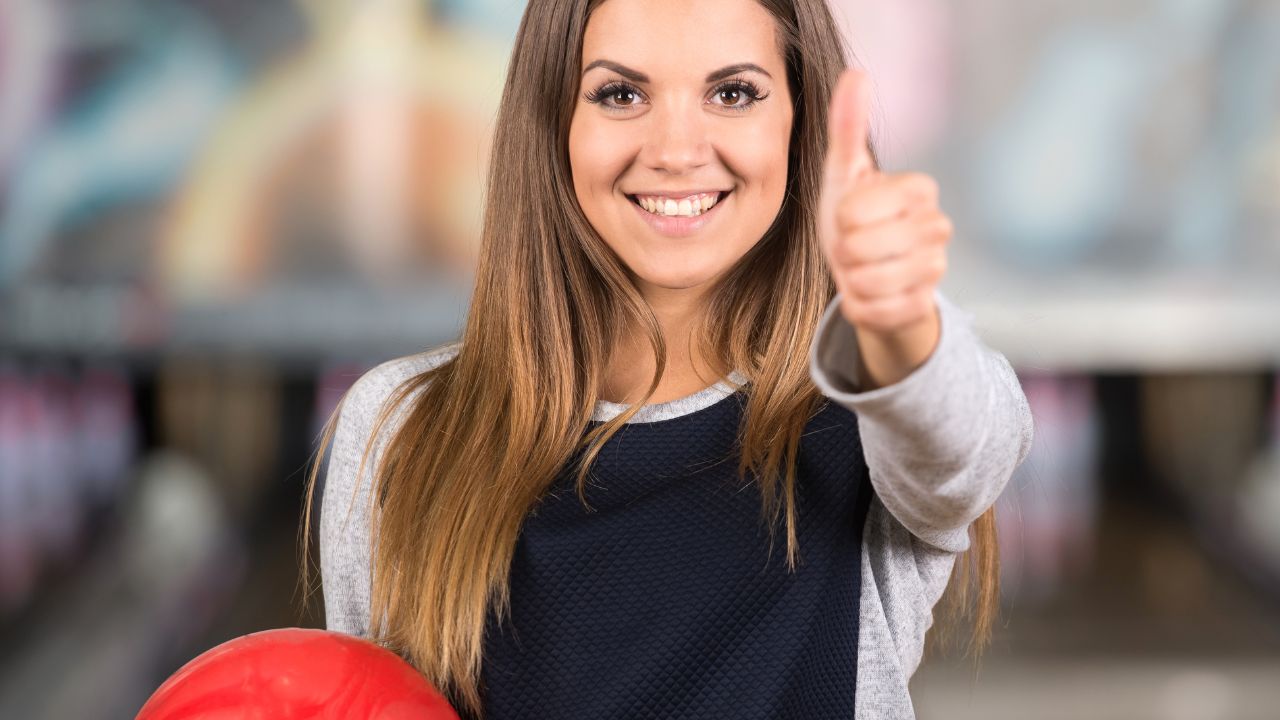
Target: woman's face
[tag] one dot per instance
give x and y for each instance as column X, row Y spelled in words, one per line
column 667, row 117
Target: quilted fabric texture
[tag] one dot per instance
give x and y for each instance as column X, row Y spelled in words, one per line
column 665, row 601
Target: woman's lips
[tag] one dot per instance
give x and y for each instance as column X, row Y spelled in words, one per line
column 677, row 225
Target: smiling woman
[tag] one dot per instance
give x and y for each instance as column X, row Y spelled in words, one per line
column 679, row 146
column 655, row 308
column 668, row 111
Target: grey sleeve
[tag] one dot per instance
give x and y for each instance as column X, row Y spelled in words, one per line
column 942, row 442
column 345, row 513
column 346, row 519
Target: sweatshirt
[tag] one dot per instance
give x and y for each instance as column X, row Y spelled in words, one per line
column 687, row 611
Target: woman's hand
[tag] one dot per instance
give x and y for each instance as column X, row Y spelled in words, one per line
column 885, row 239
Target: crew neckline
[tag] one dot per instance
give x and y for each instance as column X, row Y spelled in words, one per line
column 655, row 412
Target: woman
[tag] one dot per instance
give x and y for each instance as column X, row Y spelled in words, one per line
column 701, row 314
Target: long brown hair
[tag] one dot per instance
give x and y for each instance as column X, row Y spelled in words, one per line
column 488, row 430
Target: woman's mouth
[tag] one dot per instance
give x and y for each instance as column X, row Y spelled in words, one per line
column 677, row 216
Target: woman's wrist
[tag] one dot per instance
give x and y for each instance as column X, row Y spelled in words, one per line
column 886, row 358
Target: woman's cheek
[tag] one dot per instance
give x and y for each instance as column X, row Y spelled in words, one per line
column 761, row 154
column 594, row 155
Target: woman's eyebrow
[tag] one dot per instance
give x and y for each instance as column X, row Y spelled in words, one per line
column 637, row 76
column 728, row 70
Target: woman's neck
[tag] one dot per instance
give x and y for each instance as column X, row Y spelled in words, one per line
column 687, row 371
column 628, row 378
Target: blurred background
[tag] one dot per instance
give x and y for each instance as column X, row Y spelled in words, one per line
column 216, row 214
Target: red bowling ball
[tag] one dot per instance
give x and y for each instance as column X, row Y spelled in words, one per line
column 297, row 673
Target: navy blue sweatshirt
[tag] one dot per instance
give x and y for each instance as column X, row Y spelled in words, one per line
column 666, row 602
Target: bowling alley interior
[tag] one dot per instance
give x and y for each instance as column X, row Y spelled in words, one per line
column 215, row 217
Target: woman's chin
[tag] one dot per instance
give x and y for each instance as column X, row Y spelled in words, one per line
column 667, row 280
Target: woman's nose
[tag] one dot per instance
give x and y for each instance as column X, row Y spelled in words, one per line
column 677, row 139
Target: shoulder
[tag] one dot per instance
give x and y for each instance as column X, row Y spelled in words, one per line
column 362, row 404
column 373, row 389
column 376, row 384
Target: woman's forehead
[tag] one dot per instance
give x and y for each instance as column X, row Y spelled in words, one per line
column 682, row 38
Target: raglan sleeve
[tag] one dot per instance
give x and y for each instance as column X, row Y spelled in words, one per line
column 941, row 443
column 345, row 512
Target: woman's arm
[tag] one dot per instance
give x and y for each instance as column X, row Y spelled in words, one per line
column 345, row 516
column 942, row 442
column 346, row 520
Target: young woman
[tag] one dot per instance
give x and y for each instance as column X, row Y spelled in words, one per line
column 701, row 314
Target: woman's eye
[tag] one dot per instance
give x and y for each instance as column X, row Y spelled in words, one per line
column 619, row 96
column 731, row 96
column 738, row 95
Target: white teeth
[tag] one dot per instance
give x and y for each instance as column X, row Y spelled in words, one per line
column 691, row 206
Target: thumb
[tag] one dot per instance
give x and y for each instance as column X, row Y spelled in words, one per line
column 847, row 126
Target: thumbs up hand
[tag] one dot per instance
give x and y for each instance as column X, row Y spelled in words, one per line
column 884, row 239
